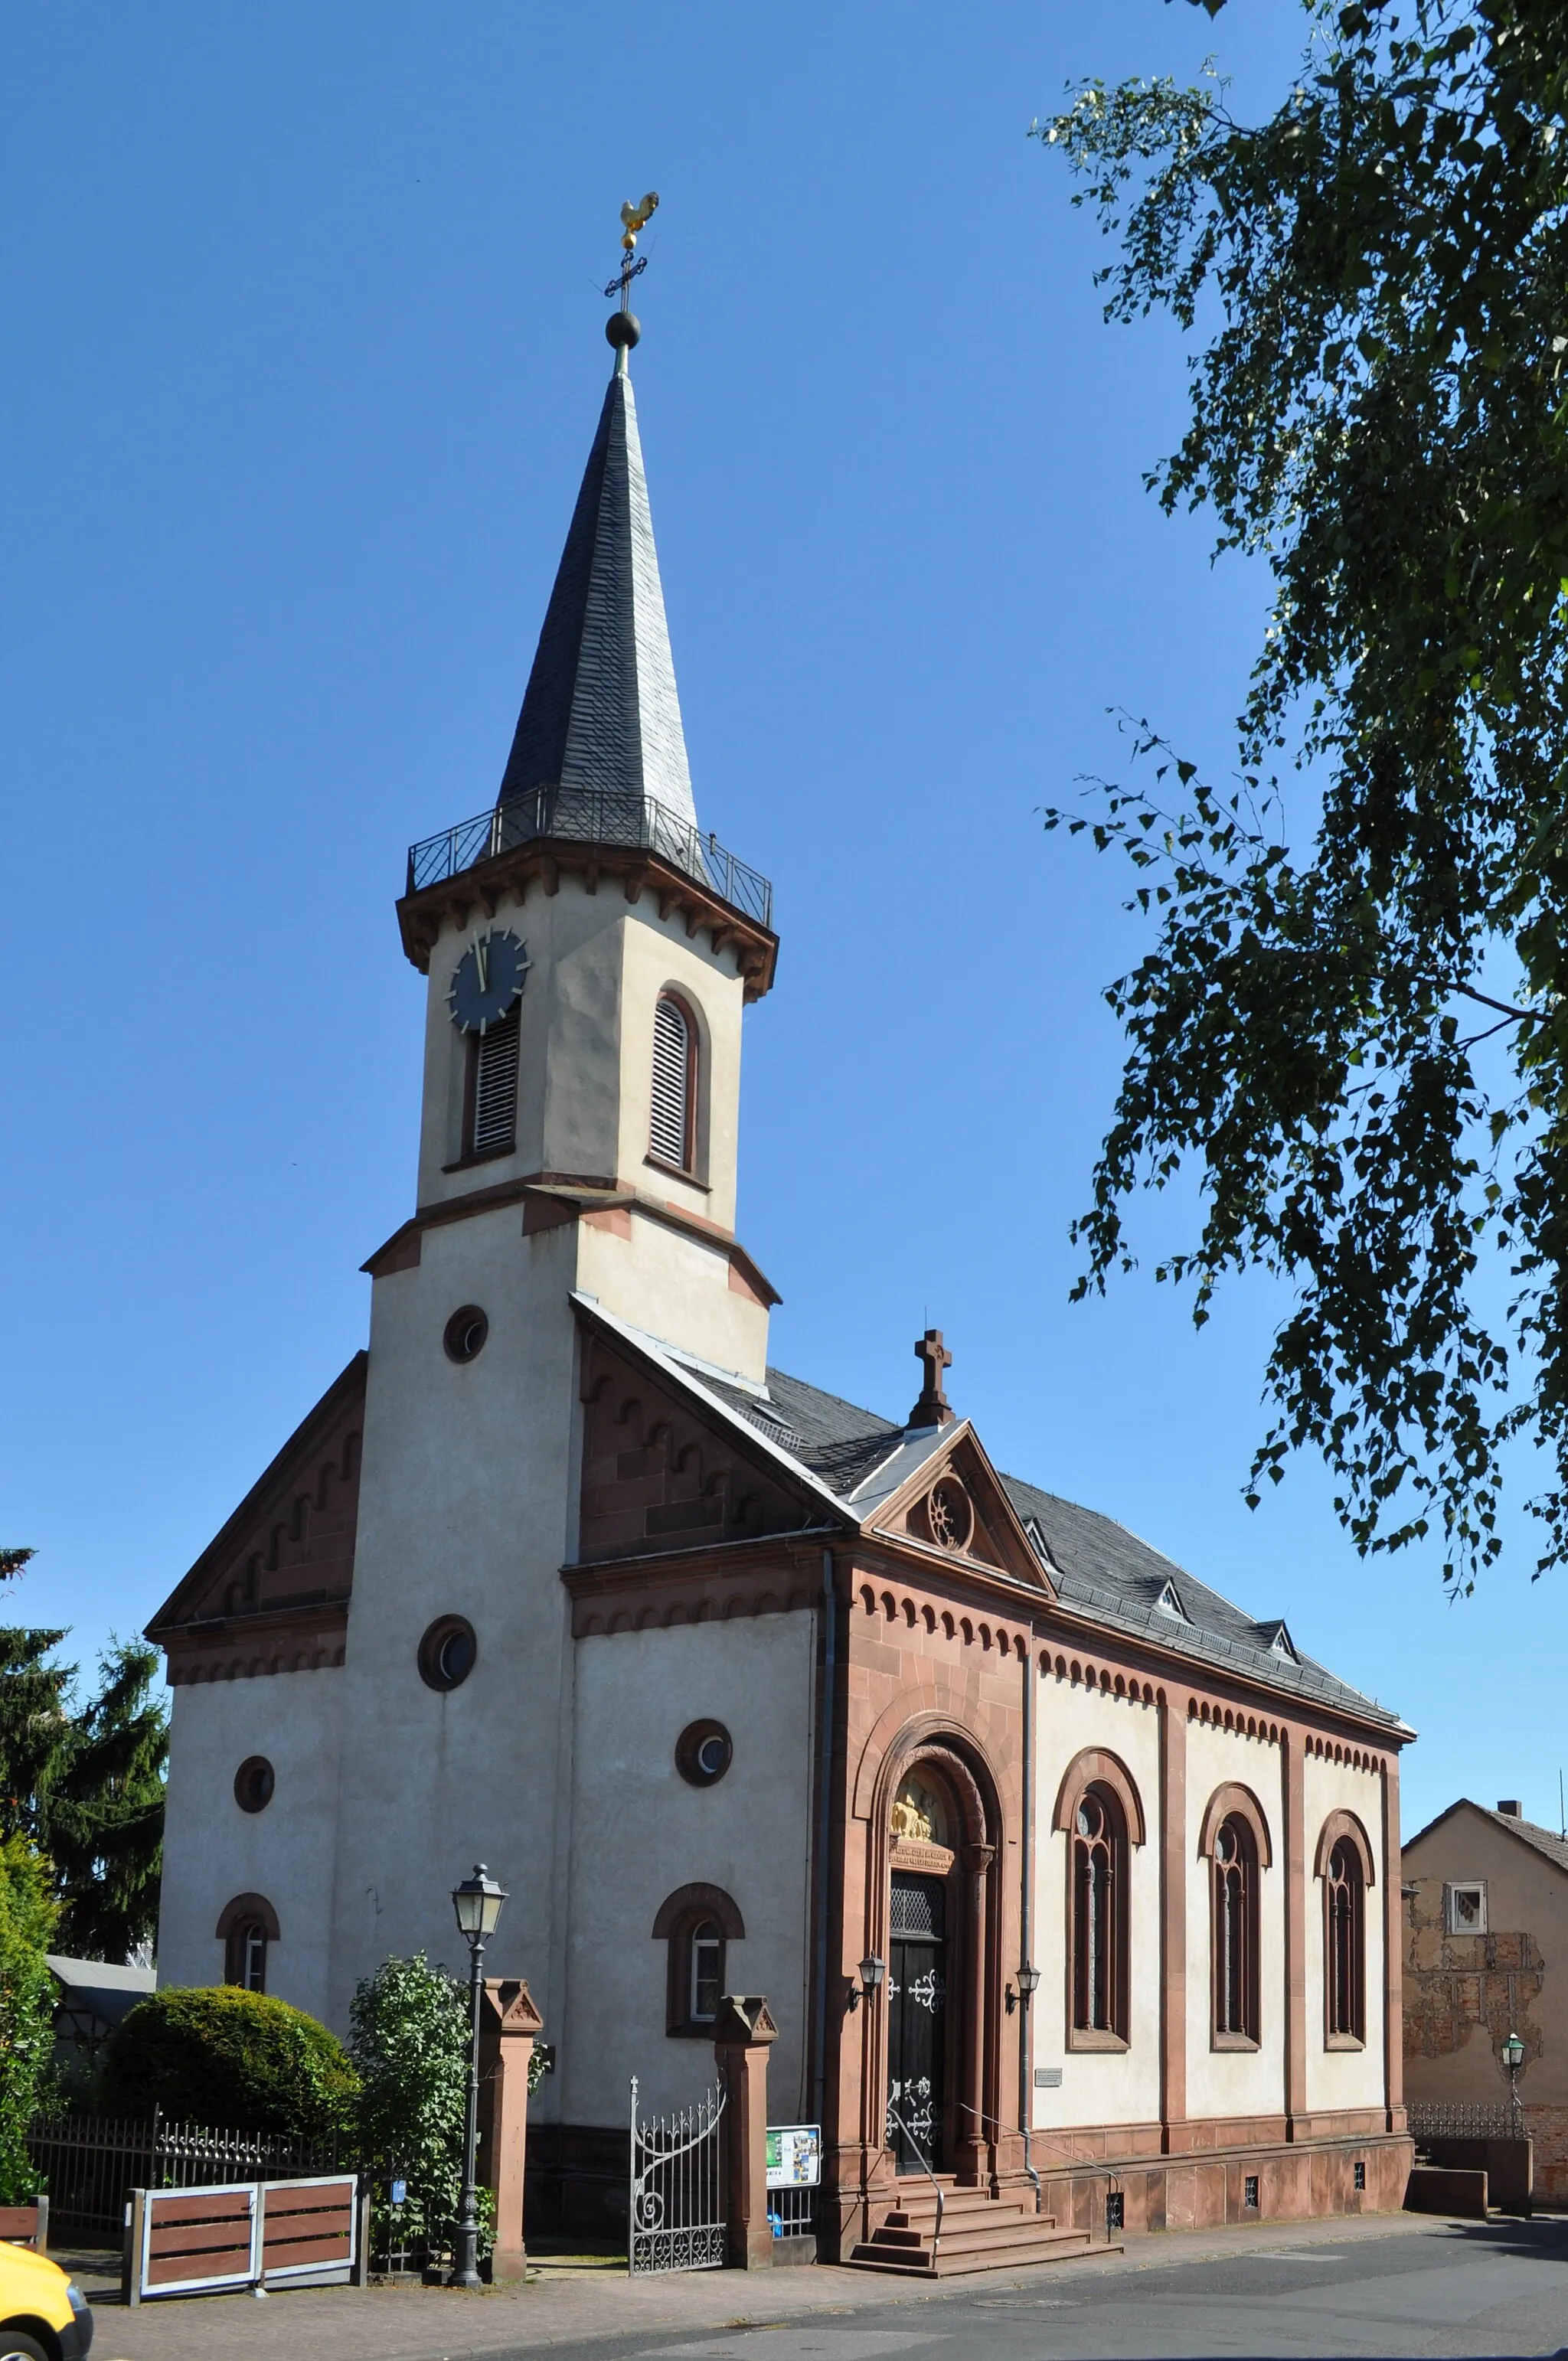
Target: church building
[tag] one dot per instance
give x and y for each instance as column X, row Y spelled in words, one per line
column 1066, row 1883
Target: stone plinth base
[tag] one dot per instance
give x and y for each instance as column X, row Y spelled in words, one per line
column 1284, row 2182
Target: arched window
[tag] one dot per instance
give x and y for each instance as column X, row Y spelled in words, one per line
column 1100, row 1813
column 247, row 1925
column 1233, row 1943
column 672, row 1124
column 1345, row 1977
column 697, row 1924
column 1099, row 1849
column 707, row 1971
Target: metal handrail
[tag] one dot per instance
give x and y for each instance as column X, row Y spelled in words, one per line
column 591, row 816
column 964, row 2108
column 893, row 2116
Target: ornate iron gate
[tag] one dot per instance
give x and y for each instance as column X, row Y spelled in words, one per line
column 678, row 2213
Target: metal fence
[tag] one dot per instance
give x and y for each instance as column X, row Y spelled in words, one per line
column 591, row 816
column 678, row 2220
column 793, row 2213
column 90, row 2164
column 1431, row 2119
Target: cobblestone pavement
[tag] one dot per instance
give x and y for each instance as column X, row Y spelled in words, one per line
column 1377, row 2286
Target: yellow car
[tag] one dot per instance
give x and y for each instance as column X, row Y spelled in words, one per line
column 43, row 2316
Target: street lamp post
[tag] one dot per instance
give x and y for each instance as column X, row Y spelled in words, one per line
column 478, row 1903
column 1513, row 2059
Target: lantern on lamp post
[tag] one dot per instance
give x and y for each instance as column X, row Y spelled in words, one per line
column 1513, row 2059
column 478, row 1903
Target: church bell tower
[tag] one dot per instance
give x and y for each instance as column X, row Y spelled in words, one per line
column 589, row 950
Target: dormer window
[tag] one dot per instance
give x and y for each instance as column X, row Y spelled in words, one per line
column 672, row 1124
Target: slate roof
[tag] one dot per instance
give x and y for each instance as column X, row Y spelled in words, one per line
column 601, row 712
column 1099, row 1569
column 1543, row 1841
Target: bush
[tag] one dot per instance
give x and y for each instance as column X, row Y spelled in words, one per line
column 27, row 1915
column 410, row 2034
column 240, row 2060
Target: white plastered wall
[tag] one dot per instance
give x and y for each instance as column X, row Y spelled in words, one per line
column 214, row 1851
column 1344, row 2078
column 468, row 1506
column 676, row 1287
column 639, row 1833
column 1098, row 2087
column 1228, row 2081
column 584, row 1071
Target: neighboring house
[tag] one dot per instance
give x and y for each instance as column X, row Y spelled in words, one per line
column 1486, row 1955
column 91, row 1999
column 738, row 1687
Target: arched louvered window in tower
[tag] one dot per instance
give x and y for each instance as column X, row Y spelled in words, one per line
column 672, row 1127
column 492, row 1087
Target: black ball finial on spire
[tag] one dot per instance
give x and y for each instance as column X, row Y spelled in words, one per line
column 623, row 328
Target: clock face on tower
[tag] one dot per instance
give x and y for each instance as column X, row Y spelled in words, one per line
column 486, row 982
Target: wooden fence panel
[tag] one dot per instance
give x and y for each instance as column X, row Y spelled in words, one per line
column 309, row 2227
column 191, row 2243
column 199, row 2241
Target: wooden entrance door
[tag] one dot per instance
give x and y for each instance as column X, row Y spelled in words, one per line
column 916, row 2019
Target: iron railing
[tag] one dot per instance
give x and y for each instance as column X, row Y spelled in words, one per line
column 1430, row 2119
column 591, row 816
column 894, row 2117
column 90, row 2164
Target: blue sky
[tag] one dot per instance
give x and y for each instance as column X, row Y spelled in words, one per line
column 304, row 355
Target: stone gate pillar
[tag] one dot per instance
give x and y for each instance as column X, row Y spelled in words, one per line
column 744, row 2032
column 508, row 2022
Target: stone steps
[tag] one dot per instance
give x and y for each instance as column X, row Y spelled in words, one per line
column 979, row 2233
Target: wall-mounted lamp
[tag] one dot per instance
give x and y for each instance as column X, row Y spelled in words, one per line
column 873, row 1970
column 1029, row 1986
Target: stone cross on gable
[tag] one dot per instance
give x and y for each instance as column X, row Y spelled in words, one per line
column 932, row 1409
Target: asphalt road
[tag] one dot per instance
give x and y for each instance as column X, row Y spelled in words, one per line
column 1460, row 2291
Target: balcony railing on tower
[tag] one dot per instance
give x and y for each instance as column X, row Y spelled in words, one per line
column 591, row 816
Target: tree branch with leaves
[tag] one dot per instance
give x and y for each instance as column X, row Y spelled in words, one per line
column 1380, row 414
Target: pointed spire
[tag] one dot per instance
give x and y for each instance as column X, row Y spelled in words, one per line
column 601, row 710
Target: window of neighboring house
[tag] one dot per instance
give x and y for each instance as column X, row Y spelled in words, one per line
column 1098, row 1906
column 1233, row 1936
column 1345, row 1979
column 1464, row 1908
column 672, row 1124
column 492, row 1086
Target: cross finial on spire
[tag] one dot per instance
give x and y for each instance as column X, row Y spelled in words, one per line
column 932, row 1409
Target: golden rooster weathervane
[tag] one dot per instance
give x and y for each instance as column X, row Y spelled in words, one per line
column 633, row 218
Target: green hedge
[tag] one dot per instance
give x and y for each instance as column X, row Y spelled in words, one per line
column 213, row 2054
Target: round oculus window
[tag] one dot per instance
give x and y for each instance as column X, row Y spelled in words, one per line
column 466, row 1333
column 949, row 1516
column 447, row 1654
column 253, row 1783
column 703, row 1753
